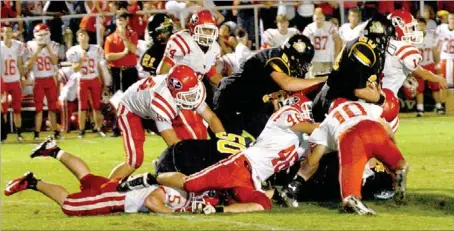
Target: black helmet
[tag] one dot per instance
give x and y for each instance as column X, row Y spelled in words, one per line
column 380, row 30
column 300, row 52
column 157, row 24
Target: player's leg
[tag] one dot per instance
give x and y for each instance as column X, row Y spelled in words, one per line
column 95, row 92
column 352, row 159
column 29, row 181
column 171, row 179
column 436, row 94
column 16, row 94
column 133, row 140
column 420, row 97
column 82, row 93
column 52, row 98
column 38, row 98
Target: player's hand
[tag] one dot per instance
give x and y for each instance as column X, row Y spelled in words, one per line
column 198, row 206
column 442, row 82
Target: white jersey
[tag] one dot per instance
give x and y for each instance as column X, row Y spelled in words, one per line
column 342, row 118
column 274, row 38
column 67, row 76
column 142, row 47
column 277, row 147
column 150, row 98
column 226, row 62
column 182, row 49
column 323, row 41
column 426, row 49
column 402, row 59
column 174, row 199
column 93, row 56
column 347, row 33
column 446, row 38
column 10, row 56
column 43, row 66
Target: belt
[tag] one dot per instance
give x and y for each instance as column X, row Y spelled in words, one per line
column 124, row 68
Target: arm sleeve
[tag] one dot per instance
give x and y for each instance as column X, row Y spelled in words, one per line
column 201, row 108
column 173, row 51
column 410, row 58
column 163, row 125
column 278, row 65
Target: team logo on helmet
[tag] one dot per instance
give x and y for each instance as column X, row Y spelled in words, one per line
column 377, row 27
column 299, row 46
column 291, row 100
column 176, row 84
column 194, row 18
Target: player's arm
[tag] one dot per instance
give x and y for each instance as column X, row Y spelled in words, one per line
column 52, row 54
column 213, row 76
column 20, row 65
column 31, row 61
column 422, row 73
column 211, row 118
column 305, row 127
column 437, row 51
column 155, row 202
column 168, row 60
column 370, row 93
column 311, row 163
column 76, row 63
column 233, row 208
column 337, row 43
column 169, row 136
column 292, row 84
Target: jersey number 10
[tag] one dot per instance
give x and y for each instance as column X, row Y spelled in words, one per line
column 347, row 108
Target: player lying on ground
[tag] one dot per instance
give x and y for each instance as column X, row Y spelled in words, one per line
column 358, row 133
column 100, row 195
column 279, row 146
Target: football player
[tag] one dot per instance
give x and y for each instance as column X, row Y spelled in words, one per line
column 403, row 58
column 13, row 70
column 99, row 195
column 352, row 29
column 85, row 59
column 159, row 98
column 327, row 43
column 360, row 62
column 428, row 62
column 239, row 99
column 277, row 37
column 356, row 130
column 68, row 95
column 160, row 28
column 43, row 58
column 191, row 156
column 277, row 148
column 445, row 51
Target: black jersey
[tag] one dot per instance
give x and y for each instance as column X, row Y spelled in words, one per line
column 245, row 89
column 152, row 57
column 358, row 63
column 191, row 156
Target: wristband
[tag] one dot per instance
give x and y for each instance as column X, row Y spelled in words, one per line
column 381, row 100
column 219, row 209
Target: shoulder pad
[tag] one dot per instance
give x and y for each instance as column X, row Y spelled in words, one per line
column 278, row 64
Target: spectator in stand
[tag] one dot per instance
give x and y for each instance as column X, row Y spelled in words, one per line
column 137, row 22
column 277, row 37
column 8, row 11
column 120, row 52
column 226, row 41
column 245, row 18
column 88, row 23
column 442, row 16
column 31, row 8
column 429, row 16
column 267, row 14
column 305, row 10
column 445, row 5
column 351, row 29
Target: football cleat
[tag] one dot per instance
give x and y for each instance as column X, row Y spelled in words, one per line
column 420, row 113
column 28, row 181
column 290, row 193
column 352, row 204
column 136, row 182
column 441, row 111
column 102, row 134
column 57, row 135
column 20, row 139
column 46, row 148
column 400, row 188
column 81, row 134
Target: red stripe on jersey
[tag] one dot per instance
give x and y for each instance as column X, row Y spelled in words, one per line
column 158, row 96
column 168, row 60
column 185, row 43
column 411, row 52
column 179, row 45
column 158, row 105
column 402, row 49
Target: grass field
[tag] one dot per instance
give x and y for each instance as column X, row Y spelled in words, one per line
column 427, row 143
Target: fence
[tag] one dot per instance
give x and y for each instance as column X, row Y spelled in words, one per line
column 254, row 7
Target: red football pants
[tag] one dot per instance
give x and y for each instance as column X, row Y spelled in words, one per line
column 45, row 87
column 98, row 196
column 92, row 87
column 432, row 85
column 14, row 89
column 67, row 110
column 365, row 140
column 133, row 136
column 231, row 173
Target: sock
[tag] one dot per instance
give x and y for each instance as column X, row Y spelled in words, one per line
column 420, row 107
column 58, row 153
column 82, row 132
column 443, row 105
column 36, row 134
column 438, row 105
column 32, row 183
column 56, row 133
column 18, row 131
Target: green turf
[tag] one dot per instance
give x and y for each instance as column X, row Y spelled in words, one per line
column 427, row 143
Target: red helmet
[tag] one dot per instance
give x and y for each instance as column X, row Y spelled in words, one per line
column 185, row 87
column 410, row 87
column 405, row 26
column 304, row 104
column 391, row 105
column 41, row 33
column 203, row 28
